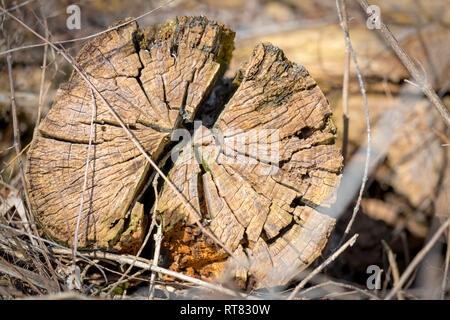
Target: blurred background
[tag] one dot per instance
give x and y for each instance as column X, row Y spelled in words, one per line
column 407, row 194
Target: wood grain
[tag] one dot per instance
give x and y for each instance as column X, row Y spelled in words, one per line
column 258, row 176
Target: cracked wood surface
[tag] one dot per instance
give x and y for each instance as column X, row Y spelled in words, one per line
column 147, row 88
column 260, row 209
column 258, row 176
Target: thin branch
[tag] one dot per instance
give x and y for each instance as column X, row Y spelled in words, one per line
column 68, row 295
column 49, row 242
column 417, row 259
column 25, row 275
column 339, row 284
column 330, row 259
column 366, row 109
column 345, row 85
column 158, row 240
column 16, row 7
column 87, row 37
column 91, row 134
column 419, row 76
column 147, row 265
column 44, row 69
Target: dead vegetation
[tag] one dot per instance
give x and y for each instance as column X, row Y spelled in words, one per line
column 224, row 226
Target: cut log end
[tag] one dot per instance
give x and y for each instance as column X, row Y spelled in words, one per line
column 257, row 176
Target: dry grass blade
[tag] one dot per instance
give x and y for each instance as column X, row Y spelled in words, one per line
column 393, row 264
column 158, row 239
column 16, row 133
column 15, row 158
column 16, row 7
column 44, row 69
column 41, row 249
column 417, row 259
column 91, row 133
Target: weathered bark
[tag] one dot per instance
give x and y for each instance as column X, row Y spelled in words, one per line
column 257, row 176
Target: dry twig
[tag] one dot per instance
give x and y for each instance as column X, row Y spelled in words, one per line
column 345, row 82
column 9, row 51
column 27, row 276
column 158, row 239
column 330, row 259
column 16, row 132
column 44, row 69
column 16, row 7
column 421, row 79
column 17, row 145
column 91, row 134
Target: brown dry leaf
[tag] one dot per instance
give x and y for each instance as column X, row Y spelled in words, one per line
column 416, row 157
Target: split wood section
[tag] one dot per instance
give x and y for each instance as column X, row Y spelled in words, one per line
column 264, row 209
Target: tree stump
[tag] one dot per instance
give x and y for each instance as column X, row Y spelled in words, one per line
column 258, row 175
